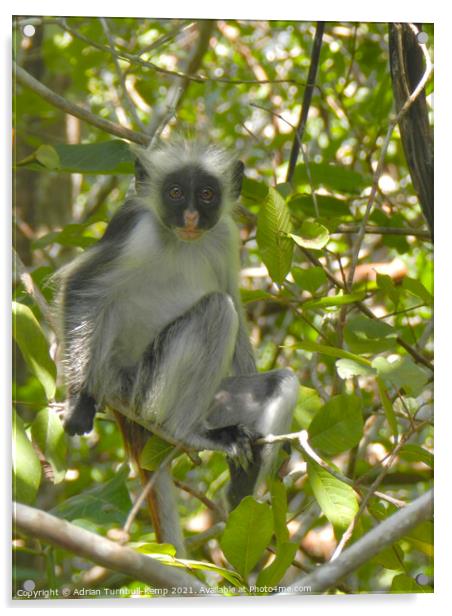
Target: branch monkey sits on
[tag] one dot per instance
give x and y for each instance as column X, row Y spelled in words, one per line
column 152, row 321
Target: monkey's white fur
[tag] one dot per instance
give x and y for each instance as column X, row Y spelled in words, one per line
column 142, row 282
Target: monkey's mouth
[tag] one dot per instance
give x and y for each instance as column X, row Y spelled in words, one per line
column 189, row 233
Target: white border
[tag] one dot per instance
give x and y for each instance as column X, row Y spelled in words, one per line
column 328, row 10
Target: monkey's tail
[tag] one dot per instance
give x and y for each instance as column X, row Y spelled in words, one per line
column 161, row 498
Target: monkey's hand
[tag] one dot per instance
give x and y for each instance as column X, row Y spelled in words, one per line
column 237, row 442
column 79, row 415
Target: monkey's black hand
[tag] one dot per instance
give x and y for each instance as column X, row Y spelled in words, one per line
column 79, row 416
column 237, row 441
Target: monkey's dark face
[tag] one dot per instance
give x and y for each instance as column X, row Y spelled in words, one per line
column 191, row 201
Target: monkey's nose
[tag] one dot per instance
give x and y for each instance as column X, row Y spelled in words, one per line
column 191, row 219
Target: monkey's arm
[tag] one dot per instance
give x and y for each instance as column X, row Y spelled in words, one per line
column 243, row 361
column 83, row 303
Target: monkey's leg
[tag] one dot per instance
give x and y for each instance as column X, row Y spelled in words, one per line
column 182, row 370
column 263, row 404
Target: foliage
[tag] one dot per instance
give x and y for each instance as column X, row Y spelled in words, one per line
column 362, row 351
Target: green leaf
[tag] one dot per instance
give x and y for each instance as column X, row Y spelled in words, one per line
column 324, row 349
column 421, row 537
column 255, row 295
column 348, row 368
column 387, row 406
column 309, row 279
column 154, row 453
column 273, row 228
column 365, row 335
column 336, row 177
column 404, row 583
column 248, row 532
column 390, row 558
column 162, row 549
column 415, row 453
column 284, row 189
column 338, row 426
column 279, row 510
column 26, row 465
column 34, row 348
column 386, row 284
column 402, row 373
column 417, row 288
column 107, row 503
column 71, row 235
column 329, row 207
column 47, row 432
column 336, row 499
column 253, row 190
column 311, row 235
column 48, row 157
column 106, row 157
column 182, row 563
column 335, row 300
column 309, row 403
column 272, row 575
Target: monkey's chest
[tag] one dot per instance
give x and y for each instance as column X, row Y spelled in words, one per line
column 145, row 309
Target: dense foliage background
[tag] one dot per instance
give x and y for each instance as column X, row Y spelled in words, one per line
column 337, row 282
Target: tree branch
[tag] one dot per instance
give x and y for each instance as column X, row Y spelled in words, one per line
column 385, row 534
column 42, row 525
column 127, row 100
column 162, row 114
column 307, row 97
column 137, row 60
column 392, row 124
column 59, row 102
column 376, row 230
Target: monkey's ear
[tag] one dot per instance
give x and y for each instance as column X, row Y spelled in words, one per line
column 141, row 175
column 237, row 178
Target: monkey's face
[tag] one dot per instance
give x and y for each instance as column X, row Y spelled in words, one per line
column 191, row 201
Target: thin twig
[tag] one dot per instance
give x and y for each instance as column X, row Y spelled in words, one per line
column 371, row 492
column 201, row 497
column 303, row 152
column 307, row 97
column 136, row 59
column 302, row 439
column 147, row 489
column 127, row 100
column 162, row 116
column 58, row 101
column 373, row 229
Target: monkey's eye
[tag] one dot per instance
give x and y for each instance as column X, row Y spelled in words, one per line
column 175, row 193
column 206, row 194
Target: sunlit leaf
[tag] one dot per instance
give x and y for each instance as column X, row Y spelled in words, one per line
column 402, row 373
column 336, row 499
column 273, row 228
column 47, row 431
column 154, row 453
column 311, row 234
column 248, row 532
column 309, row 279
column 338, row 426
column 26, row 465
column 34, row 347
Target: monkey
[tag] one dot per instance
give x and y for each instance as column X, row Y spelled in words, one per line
column 152, row 322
